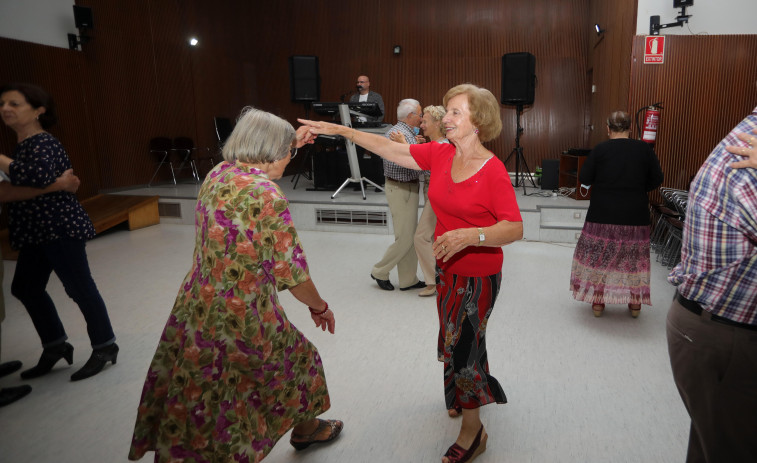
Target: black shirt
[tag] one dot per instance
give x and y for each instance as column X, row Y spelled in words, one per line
column 621, row 171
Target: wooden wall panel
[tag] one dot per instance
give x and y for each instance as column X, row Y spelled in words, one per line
column 443, row 45
column 59, row 72
column 706, row 85
column 609, row 64
column 138, row 78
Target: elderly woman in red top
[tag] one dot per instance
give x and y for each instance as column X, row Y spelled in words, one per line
column 477, row 214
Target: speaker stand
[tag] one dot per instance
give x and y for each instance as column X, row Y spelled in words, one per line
column 520, row 177
column 355, row 176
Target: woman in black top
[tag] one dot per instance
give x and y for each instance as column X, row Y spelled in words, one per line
column 50, row 232
column 611, row 260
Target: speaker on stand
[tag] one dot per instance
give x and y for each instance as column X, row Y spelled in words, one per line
column 518, row 88
column 304, row 81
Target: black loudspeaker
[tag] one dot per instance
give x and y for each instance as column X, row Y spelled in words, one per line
column 304, row 81
column 549, row 174
column 83, row 17
column 518, row 79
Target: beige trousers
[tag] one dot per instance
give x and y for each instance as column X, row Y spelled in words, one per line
column 403, row 204
column 424, row 237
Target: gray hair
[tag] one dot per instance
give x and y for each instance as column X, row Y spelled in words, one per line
column 258, row 137
column 405, row 107
column 619, row 121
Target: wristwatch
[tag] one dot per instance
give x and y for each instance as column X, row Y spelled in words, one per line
column 481, row 236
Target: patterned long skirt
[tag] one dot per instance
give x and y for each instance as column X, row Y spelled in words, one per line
column 464, row 305
column 611, row 264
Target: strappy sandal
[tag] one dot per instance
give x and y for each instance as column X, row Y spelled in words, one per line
column 457, row 454
column 304, row 440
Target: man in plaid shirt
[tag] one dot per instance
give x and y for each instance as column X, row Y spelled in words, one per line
column 712, row 322
column 401, row 188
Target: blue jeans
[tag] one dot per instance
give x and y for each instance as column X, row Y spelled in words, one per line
column 68, row 259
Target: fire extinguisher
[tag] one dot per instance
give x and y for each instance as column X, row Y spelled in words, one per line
column 651, row 122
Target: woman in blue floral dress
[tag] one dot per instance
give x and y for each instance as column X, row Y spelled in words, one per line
column 231, row 374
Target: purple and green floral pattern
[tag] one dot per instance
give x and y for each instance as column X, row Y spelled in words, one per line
column 231, row 374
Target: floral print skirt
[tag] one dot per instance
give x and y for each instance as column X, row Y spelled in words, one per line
column 611, row 264
column 464, row 305
column 224, row 398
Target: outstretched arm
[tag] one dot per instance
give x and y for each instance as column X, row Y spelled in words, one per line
column 387, row 149
column 66, row 182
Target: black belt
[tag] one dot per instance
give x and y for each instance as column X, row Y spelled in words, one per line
column 402, row 181
column 695, row 308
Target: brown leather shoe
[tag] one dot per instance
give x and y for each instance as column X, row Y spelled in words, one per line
column 386, row 285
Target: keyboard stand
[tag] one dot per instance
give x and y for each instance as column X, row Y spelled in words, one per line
column 344, row 114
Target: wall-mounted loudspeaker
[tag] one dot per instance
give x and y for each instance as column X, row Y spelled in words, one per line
column 304, row 81
column 83, row 17
column 518, row 78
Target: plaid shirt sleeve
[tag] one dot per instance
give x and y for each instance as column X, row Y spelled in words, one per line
column 718, row 265
column 393, row 170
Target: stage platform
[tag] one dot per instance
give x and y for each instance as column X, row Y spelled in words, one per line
column 546, row 217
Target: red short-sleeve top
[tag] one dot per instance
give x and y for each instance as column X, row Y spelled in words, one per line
column 482, row 200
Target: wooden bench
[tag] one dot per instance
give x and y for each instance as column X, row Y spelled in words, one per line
column 107, row 211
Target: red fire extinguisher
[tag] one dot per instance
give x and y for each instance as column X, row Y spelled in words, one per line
column 651, row 122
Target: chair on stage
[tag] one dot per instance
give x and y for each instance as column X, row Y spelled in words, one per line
column 223, row 130
column 161, row 148
column 193, row 156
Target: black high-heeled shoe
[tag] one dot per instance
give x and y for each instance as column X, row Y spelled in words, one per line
column 49, row 358
column 97, row 361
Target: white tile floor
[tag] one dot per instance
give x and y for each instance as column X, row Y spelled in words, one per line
column 581, row 389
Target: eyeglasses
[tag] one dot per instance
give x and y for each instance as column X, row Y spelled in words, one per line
column 419, row 115
column 292, row 153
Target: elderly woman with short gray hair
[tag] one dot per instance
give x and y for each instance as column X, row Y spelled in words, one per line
column 231, row 374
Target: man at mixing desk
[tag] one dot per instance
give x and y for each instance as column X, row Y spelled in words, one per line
column 366, row 95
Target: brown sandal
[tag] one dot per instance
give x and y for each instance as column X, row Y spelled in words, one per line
column 457, row 454
column 304, row 440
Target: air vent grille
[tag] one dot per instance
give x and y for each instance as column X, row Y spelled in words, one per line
column 346, row 217
column 169, row 210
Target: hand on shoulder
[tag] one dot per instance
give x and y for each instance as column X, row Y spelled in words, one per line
column 749, row 152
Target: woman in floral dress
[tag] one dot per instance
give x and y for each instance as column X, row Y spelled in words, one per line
column 231, row 374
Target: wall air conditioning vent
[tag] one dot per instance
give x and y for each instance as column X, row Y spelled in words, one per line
column 172, row 210
column 345, row 217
